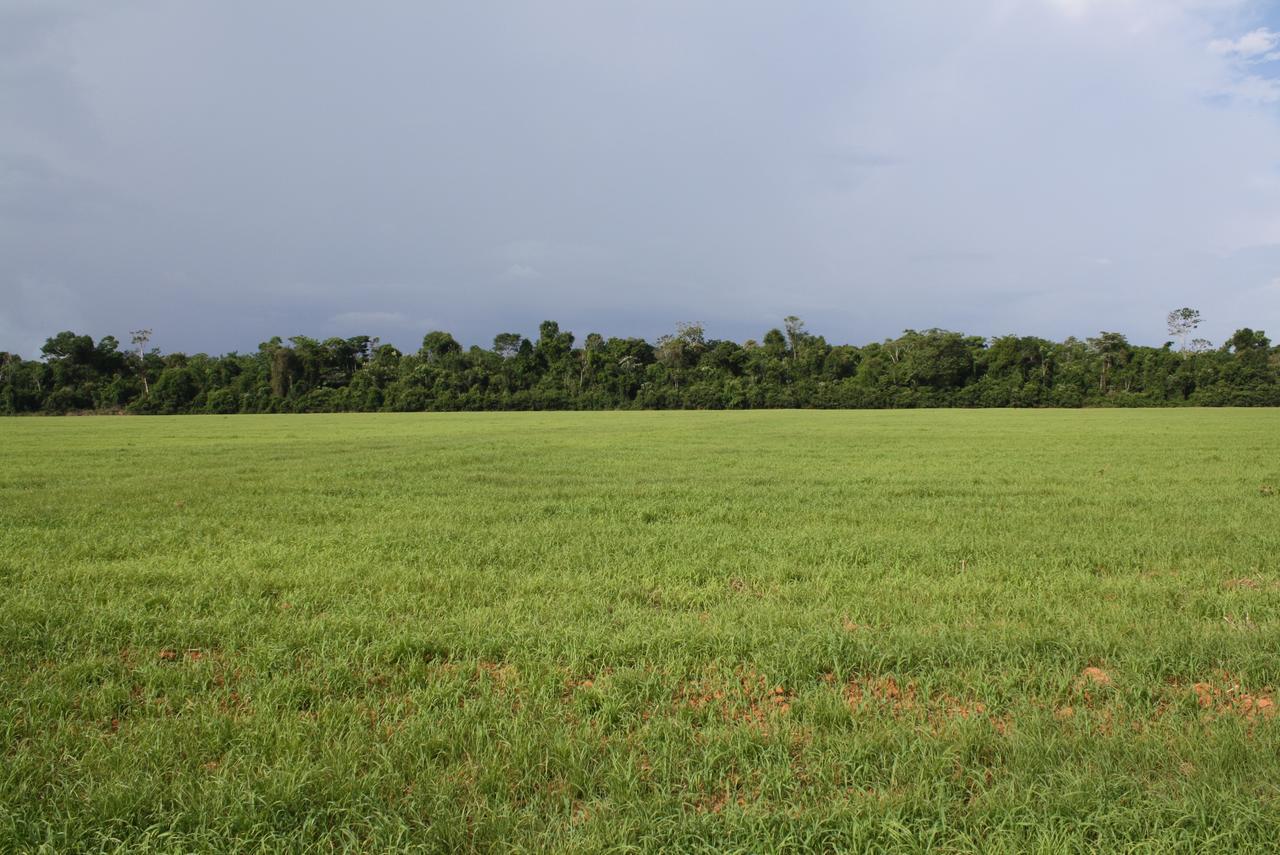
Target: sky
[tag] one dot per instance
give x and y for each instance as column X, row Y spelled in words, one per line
column 229, row 170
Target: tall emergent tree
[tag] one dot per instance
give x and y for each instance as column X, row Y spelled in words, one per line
column 1183, row 322
column 140, row 339
column 795, row 334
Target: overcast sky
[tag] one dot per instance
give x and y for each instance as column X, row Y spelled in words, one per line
column 227, row 171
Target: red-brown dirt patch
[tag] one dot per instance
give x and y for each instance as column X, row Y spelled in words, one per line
column 1219, row 700
column 903, row 700
column 1093, row 676
column 746, row 697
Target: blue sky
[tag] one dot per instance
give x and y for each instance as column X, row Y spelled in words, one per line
column 227, row 171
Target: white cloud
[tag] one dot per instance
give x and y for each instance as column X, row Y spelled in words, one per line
column 1254, row 89
column 1261, row 41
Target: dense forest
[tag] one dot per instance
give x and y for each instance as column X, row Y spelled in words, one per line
column 788, row 367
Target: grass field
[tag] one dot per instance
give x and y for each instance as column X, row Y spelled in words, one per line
column 768, row 631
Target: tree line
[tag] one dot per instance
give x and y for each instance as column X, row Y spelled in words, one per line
column 787, row 367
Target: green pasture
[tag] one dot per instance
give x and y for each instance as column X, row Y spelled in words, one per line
column 681, row 631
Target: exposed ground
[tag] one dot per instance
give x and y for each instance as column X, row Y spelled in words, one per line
column 773, row 631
